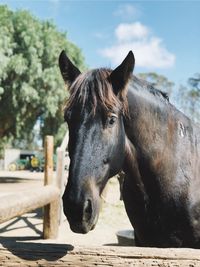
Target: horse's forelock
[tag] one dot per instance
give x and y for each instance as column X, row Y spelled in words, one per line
column 94, row 88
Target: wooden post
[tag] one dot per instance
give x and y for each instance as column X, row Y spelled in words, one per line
column 52, row 210
column 61, row 164
column 48, row 171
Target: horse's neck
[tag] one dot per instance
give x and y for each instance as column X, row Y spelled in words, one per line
column 131, row 164
column 162, row 149
column 133, row 177
column 151, row 131
column 151, row 122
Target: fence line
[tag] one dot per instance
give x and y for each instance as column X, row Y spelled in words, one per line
column 17, row 204
column 48, row 196
column 62, row 255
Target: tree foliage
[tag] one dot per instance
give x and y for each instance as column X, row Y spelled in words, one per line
column 31, row 86
column 194, row 82
column 189, row 98
column 159, row 81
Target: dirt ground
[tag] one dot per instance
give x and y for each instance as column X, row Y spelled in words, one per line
column 29, row 226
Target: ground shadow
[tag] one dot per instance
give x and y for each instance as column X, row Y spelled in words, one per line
column 13, row 180
column 26, row 250
column 118, row 245
column 26, row 222
column 112, row 244
column 24, row 247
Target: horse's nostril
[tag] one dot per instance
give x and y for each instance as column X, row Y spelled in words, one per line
column 88, row 209
column 88, row 206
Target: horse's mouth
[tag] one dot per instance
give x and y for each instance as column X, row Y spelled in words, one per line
column 83, row 227
column 80, row 228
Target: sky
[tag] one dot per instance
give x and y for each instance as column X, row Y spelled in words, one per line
column 163, row 35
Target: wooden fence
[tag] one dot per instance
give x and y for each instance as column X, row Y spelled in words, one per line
column 62, row 255
column 62, row 163
column 48, row 196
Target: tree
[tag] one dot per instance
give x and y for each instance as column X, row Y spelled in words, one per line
column 31, row 86
column 194, row 82
column 189, row 98
column 159, row 81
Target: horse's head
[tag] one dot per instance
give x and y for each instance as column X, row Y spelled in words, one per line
column 94, row 114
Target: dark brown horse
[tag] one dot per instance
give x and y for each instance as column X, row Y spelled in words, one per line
column 119, row 122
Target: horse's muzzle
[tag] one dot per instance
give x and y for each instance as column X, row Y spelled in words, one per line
column 82, row 217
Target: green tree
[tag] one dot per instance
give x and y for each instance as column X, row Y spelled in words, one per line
column 189, row 98
column 159, row 81
column 194, row 82
column 31, row 86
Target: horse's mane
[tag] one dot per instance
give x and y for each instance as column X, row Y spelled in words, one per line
column 139, row 83
column 93, row 89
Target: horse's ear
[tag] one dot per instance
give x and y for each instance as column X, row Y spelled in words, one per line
column 120, row 76
column 68, row 70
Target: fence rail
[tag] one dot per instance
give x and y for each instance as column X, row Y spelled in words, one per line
column 31, row 254
column 14, row 205
column 48, row 196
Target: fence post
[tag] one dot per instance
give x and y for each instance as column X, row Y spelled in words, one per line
column 52, row 210
column 61, row 164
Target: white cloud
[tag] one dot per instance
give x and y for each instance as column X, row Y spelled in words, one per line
column 127, row 11
column 149, row 50
column 127, row 32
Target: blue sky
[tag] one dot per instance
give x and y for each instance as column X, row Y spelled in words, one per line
column 164, row 35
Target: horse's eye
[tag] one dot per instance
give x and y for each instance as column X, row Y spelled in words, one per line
column 111, row 120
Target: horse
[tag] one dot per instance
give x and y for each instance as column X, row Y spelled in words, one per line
column 118, row 122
